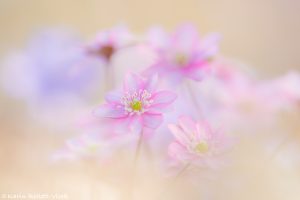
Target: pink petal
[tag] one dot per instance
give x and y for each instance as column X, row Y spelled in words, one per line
column 164, row 97
column 187, row 124
column 199, row 72
column 204, row 131
column 133, row 82
column 157, row 37
column 113, row 97
column 136, row 125
column 159, row 108
column 178, row 152
column 186, row 38
column 151, row 83
column 179, row 134
column 210, row 45
column 110, row 111
column 152, row 120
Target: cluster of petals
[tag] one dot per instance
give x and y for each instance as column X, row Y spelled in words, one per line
column 139, row 104
column 182, row 54
column 53, row 65
column 197, row 143
column 108, row 42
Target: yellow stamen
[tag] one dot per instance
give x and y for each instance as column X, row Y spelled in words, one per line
column 202, row 147
column 136, row 105
column 93, row 148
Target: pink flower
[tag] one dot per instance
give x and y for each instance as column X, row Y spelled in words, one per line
column 139, row 105
column 285, row 89
column 108, row 42
column 182, row 54
column 196, row 143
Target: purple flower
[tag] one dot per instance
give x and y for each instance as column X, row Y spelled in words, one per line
column 53, row 67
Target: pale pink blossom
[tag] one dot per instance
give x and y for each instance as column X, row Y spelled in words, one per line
column 139, row 105
column 108, row 42
column 182, row 54
column 284, row 91
column 196, row 143
column 98, row 144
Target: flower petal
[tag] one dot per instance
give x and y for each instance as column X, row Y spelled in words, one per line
column 152, row 120
column 179, row 134
column 179, row 152
column 209, row 45
column 133, row 83
column 204, row 131
column 159, row 108
column 164, row 97
column 113, row 97
column 151, row 83
column 136, row 125
column 110, row 111
column 187, row 124
column 185, row 38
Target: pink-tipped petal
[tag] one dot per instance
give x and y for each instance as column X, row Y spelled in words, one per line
column 151, row 83
column 186, row 38
column 187, row 124
column 179, row 134
column 164, row 97
column 113, row 97
column 133, row 82
column 210, row 45
column 160, row 108
column 178, row 152
column 136, row 124
column 110, row 111
column 204, row 131
column 152, row 120
column 199, row 72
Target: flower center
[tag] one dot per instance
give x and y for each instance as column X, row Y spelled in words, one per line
column 106, row 51
column 137, row 102
column 136, row 105
column 93, row 148
column 201, row 147
column 181, row 59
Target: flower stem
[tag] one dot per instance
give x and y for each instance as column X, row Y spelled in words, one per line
column 182, row 171
column 109, row 77
column 193, row 97
column 175, row 179
column 135, row 165
column 280, row 147
column 138, row 150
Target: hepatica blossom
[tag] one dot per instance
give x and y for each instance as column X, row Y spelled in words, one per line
column 196, row 143
column 182, row 54
column 53, row 67
column 139, row 105
column 108, row 42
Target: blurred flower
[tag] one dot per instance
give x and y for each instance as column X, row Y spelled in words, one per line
column 284, row 90
column 98, row 146
column 182, row 54
column 139, row 105
column 108, row 42
column 84, row 146
column 52, row 69
column 196, row 143
column 53, row 73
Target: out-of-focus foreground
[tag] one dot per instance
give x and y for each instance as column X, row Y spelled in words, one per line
column 264, row 35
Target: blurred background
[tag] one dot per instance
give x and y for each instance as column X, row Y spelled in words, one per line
column 261, row 34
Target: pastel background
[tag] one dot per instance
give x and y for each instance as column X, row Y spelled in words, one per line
column 261, row 34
